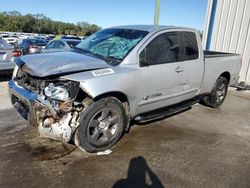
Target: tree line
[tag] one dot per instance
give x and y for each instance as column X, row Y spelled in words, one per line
column 14, row 21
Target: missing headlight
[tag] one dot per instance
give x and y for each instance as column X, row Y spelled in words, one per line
column 56, row 92
column 61, row 90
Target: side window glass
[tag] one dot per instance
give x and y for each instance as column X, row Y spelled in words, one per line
column 165, row 48
column 60, row 45
column 50, row 45
column 191, row 51
column 56, row 44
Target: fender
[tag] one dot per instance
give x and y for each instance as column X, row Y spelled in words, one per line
column 110, row 80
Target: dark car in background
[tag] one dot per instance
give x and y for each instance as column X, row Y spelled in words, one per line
column 49, row 38
column 31, row 46
column 61, row 45
column 46, row 38
column 70, row 37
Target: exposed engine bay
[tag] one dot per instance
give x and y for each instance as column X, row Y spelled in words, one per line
column 56, row 107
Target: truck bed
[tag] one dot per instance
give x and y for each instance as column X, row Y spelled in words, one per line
column 211, row 54
column 217, row 63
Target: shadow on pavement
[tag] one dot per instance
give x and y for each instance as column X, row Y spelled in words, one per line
column 138, row 169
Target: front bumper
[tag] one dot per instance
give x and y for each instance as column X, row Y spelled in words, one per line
column 23, row 101
column 32, row 107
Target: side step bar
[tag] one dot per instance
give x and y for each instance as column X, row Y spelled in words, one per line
column 167, row 111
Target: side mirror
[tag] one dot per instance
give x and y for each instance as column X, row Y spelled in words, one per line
column 143, row 58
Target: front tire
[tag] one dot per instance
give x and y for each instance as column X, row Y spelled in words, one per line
column 101, row 125
column 218, row 94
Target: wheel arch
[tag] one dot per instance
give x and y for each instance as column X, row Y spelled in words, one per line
column 82, row 94
column 117, row 94
column 226, row 75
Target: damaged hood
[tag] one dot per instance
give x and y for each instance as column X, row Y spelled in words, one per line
column 49, row 64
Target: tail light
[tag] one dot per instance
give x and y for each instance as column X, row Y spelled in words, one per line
column 16, row 53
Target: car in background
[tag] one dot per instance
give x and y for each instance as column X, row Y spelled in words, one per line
column 16, row 38
column 82, row 37
column 49, row 38
column 7, row 55
column 70, row 37
column 24, row 36
column 42, row 38
column 32, row 46
column 10, row 40
column 61, row 45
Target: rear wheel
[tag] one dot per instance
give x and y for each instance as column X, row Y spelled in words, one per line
column 101, row 125
column 218, row 94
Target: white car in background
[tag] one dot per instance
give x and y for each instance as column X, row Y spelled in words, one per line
column 10, row 40
column 23, row 36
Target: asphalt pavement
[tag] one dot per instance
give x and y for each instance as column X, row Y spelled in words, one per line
column 202, row 147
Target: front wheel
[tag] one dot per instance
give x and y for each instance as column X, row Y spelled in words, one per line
column 101, row 125
column 218, row 94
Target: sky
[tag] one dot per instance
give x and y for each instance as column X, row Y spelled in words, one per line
column 107, row 13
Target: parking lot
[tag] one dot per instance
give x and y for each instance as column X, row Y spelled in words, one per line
column 200, row 148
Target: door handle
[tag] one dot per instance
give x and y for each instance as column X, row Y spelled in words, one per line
column 179, row 69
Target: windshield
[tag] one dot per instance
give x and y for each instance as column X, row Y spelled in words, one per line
column 112, row 43
column 36, row 41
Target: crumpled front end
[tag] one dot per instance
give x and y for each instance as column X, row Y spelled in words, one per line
column 48, row 104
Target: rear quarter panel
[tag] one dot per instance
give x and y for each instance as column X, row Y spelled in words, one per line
column 215, row 66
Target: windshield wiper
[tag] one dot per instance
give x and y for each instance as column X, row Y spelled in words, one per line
column 112, row 58
column 107, row 58
column 80, row 50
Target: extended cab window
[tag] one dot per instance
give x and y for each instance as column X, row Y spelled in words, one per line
column 165, row 48
column 191, row 51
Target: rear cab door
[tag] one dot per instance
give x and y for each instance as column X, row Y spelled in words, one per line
column 192, row 63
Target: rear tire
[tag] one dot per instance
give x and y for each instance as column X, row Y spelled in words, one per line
column 101, row 125
column 218, row 94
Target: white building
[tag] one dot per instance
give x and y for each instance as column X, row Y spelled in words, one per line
column 227, row 29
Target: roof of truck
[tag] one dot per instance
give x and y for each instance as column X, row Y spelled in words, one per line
column 151, row 28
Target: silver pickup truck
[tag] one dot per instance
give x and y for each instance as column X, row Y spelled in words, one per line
column 90, row 95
